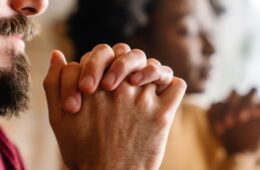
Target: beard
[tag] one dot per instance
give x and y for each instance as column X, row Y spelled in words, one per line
column 15, row 79
column 18, row 25
column 14, row 87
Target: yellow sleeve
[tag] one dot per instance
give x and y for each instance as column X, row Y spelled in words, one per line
column 247, row 161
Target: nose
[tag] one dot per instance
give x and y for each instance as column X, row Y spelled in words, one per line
column 208, row 47
column 29, row 7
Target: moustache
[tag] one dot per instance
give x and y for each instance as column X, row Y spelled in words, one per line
column 18, row 25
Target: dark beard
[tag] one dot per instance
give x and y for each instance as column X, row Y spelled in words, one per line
column 14, row 87
column 14, row 81
column 18, row 25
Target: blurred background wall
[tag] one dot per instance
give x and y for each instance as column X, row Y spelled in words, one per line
column 237, row 65
column 237, row 60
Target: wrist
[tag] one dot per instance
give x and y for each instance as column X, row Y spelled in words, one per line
column 118, row 164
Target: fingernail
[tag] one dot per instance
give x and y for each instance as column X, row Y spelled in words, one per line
column 137, row 77
column 87, row 81
column 71, row 104
column 109, row 78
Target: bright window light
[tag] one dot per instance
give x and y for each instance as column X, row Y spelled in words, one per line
column 255, row 4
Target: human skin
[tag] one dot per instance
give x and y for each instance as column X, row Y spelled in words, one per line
column 120, row 61
column 15, row 42
column 123, row 129
column 180, row 35
column 150, row 122
column 9, row 9
column 236, row 122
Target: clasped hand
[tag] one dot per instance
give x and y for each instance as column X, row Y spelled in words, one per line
column 236, row 122
column 113, row 110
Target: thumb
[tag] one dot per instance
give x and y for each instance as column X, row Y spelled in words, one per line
column 51, row 83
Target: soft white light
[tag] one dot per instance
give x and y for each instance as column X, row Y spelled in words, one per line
column 256, row 5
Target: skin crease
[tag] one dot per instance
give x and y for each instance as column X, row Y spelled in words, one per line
column 180, row 35
column 99, row 148
column 136, row 119
column 148, row 112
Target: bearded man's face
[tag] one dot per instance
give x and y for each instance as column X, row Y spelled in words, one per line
column 14, row 65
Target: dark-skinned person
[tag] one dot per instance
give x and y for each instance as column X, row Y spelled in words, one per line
column 96, row 128
column 179, row 34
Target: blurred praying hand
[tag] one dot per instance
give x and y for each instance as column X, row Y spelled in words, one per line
column 236, row 122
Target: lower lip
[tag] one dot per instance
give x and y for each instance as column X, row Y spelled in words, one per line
column 18, row 42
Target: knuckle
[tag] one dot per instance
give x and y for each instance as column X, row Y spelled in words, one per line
column 104, row 48
column 162, row 120
column 168, row 70
column 122, row 46
column 124, row 90
column 84, row 57
column 180, row 83
column 101, row 47
column 101, row 52
column 154, row 70
column 121, row 64
column 139, row 53
column 91, row 62
column 146, row 100
column 154, row 61
column 99, row 95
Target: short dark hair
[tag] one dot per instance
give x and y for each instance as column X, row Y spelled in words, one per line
column 109, row 21
column 106, row 21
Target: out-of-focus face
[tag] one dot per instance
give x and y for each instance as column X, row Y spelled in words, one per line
column 15, row 28
column 180, row 37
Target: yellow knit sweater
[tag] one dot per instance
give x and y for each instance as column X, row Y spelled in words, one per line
column 191, row 145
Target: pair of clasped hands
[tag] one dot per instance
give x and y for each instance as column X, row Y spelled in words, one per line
column 113, row 110
column 236, row 123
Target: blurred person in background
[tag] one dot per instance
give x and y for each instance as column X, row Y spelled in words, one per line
column 70, row 108
column 179, row 32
